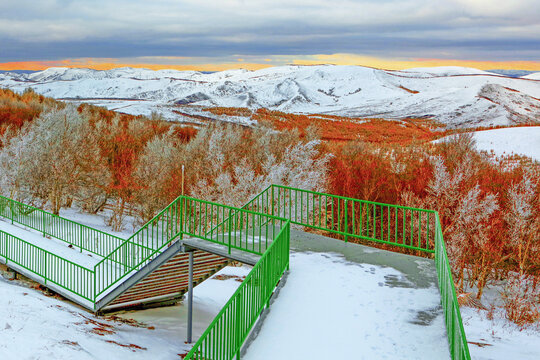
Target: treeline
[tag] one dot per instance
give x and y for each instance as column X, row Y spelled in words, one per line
column 65, row 153
column 18, row 109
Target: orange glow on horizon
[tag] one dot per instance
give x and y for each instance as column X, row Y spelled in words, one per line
column 42, row 65
column 338, row 59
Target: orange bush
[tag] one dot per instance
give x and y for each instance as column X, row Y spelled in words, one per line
column 343, row 129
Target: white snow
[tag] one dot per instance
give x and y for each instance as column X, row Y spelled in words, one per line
column 517, row 140
column 33, row 326
column 524, row 141
column 452, row 95
column 498, row 339
column 331, row 308
column 448, row 71
column 533, row 76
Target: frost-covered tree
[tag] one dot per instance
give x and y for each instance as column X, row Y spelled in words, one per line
column 471, row 230
column 154, row 171
column 523, row 221
column 298, row 164
column 226, row 163
column 466, row 213
column 53, row 159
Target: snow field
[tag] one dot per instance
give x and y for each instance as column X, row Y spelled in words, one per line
column 518, row 140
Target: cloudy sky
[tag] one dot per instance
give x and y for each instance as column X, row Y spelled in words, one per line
column 212, row 34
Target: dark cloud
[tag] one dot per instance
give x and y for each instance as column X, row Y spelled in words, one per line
column 474, row 29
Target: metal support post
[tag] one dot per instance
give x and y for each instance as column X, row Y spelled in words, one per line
column 190, row 300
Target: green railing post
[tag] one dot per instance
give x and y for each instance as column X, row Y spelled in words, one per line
column 346, row 220
column 230, row 229
column 272, row 200
column 46, row 270
column 182, row 199
column 238, row 330
column 80, row 239
column 95, row 284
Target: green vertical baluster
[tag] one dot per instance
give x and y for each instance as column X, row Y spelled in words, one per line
column 412, row 229
column 346, row 220
column 427, row 236
column 419, row 229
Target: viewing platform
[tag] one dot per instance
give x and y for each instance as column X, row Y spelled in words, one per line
column 372, row 297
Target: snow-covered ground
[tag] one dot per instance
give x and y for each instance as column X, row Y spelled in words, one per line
column 98, row 221
column 533, row 76
column 331, row 308
column 517, row 140
column 457, row 96
column 522, row 140
column 498, row 339
column 34, row 326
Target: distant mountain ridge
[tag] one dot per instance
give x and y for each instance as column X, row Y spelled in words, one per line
column 511, row 73
column 456, row 96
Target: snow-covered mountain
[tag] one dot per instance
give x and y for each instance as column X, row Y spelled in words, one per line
column 457, row 96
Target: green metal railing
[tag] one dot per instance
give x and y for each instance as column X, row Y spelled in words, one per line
column 261, row 227
column 406, row 227
column 52, row 268
column 228, row 226
column 234, row 228
column 78, row 235
column 395, row 225
column 457, row 340
column 224, row 338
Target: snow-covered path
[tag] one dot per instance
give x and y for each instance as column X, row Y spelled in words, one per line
column 336, row 306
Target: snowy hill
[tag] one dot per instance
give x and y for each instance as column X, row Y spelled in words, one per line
column 519, row 140
column 533, row 76
column 511, row 73
column 459, row 97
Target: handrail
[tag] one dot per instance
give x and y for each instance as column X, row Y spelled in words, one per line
column 41, row 225
column 395, row 225
column 457, row 339
column 246, row 204
column 186, row 215
column 349, row 198
column 227, row 332
column 49, row 266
